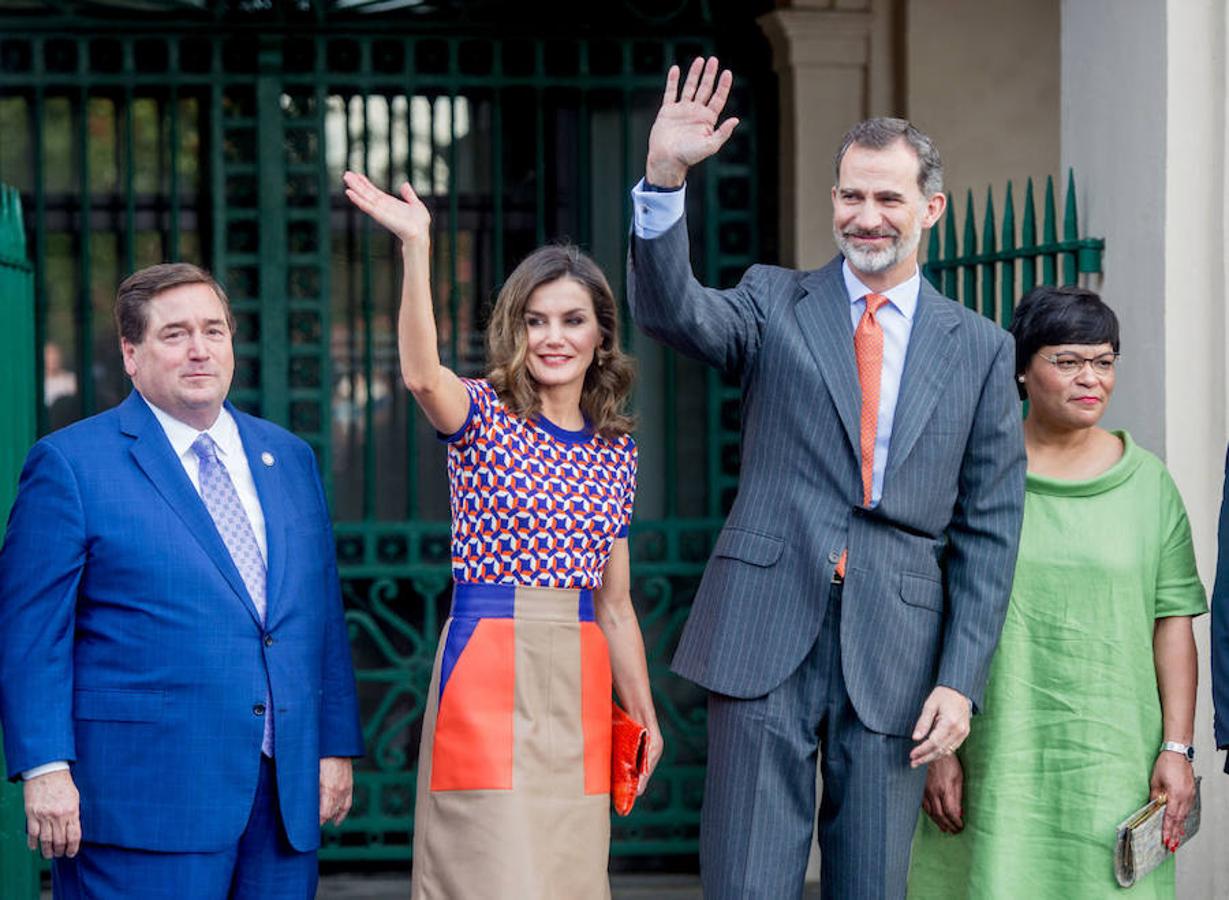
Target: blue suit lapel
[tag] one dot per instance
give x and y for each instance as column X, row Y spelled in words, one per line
column 823, row 316
column 931, row 343
column 273, row 504
column 154, row 455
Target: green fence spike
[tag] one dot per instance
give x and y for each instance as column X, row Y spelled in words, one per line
column 1070, row 230
column 1070, row 227
column 932, row 257
column 989, row 247
column 1028, row 241
column 1007, row 275
column 1049, row 234
column 950, row 251
column 968, row 290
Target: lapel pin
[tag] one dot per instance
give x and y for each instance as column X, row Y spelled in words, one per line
column 266, row 458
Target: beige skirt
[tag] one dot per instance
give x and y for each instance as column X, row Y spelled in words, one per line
column 514, row 769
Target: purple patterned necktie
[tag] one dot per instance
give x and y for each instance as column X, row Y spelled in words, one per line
column 222, row 501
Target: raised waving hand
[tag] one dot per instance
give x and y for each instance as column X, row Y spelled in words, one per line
column 407, row 217
column 440, row 394
column 686, row 130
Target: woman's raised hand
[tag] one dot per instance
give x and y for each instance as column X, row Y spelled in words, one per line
column 406, row 217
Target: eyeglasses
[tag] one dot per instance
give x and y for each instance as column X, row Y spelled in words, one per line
column 1069, row 365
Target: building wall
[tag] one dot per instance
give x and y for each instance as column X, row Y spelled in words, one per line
column 1144, row 123
column 982, row 78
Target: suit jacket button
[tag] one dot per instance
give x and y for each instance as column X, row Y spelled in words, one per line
column 268, row 640
column 259, row 709
column 834, row 557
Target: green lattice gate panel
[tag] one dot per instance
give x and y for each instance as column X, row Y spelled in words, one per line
column 223, row 144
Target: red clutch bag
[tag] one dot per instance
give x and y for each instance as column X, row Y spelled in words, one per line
column 629, row 742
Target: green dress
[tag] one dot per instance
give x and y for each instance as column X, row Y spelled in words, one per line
column 1064, row 748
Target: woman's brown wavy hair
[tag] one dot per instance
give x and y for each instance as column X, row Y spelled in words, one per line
column 608, row 381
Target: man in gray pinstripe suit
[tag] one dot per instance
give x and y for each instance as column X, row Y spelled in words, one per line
column 845, row 610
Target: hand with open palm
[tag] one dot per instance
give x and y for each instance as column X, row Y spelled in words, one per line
column 406, row 217
column 686, row 130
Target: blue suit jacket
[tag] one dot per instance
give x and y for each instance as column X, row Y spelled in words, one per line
column 1220, row 625
column 129, row 644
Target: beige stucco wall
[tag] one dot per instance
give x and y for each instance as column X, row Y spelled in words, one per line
column 982, row 77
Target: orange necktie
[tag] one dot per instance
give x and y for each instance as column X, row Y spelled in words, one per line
column 868, row 352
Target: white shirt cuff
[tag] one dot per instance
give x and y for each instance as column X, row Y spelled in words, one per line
column 654, row 212
column 44, row 769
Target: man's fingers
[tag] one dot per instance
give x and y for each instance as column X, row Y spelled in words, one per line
column 693, row 79
column 343, row 810
column 717, row 101
column 672, row 86
column 74, row 837
column 59, row 836
column 32, row 833
column 704, row 91
column 722, row 134
column 926, row 720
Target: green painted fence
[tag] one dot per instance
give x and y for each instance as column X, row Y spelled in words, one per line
column 220, row 139
column 991, row 273
column 18, row 406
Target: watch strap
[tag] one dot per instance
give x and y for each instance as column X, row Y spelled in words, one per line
column 1185, row 749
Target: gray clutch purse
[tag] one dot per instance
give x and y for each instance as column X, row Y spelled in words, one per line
column 1138, row 849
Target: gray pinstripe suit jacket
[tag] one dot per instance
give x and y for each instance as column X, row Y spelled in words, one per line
column 930, row 568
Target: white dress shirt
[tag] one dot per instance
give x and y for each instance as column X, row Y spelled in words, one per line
column 896, row 319
column 653, row 214
column 225, row 434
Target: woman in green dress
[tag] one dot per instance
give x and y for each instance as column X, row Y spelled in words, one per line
column 1095, row 672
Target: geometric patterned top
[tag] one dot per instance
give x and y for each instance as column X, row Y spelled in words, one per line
column 533, row 503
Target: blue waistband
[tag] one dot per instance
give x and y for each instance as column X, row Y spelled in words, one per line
column 500, row 601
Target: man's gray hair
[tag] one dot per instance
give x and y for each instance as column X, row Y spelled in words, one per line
column 878, row 133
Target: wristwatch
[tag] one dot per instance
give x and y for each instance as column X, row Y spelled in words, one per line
column 1185, row 749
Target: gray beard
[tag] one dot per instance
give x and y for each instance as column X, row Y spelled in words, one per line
column 874, row 262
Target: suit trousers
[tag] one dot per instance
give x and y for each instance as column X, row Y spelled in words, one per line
column 759, row 796
column 262, row 864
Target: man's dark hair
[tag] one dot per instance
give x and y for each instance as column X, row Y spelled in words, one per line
column 880, row 132
column 132, row 298
column 1051, row 315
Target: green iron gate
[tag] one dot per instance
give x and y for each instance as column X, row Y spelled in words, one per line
column 222, row 140
column 18, row 866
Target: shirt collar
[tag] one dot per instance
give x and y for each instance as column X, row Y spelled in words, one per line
column 903, row 296
column 224, row 431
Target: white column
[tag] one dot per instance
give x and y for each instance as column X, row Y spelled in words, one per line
column 1195, row 371
column 1145, row 126
column 831, row 57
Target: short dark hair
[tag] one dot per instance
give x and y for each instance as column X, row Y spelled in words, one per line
column 132, row 298
column 882, row 131
column 1050, row 315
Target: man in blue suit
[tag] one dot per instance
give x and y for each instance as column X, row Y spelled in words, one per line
column 176, row 689
column 855, row 596
column 1220, row 627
